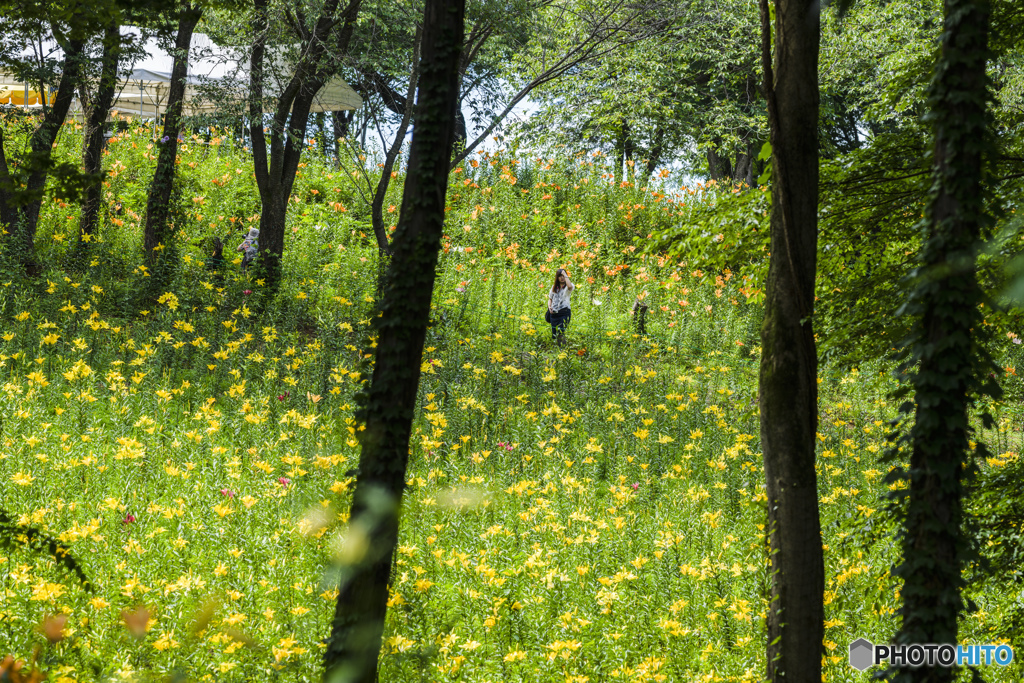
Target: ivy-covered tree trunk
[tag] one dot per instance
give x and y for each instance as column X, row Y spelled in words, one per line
column 388, row 408
column 789, row 362
column 92, row 153
column 944, row 356
column 158, row 230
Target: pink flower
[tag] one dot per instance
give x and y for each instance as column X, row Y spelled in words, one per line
column 128, row 519
column 227, row 492
column 284, row 481
column 635, row 486
column 247, row 292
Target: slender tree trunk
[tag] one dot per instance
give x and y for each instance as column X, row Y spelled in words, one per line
column 24, row 218
column 461, row 132
column 355, row 640
column 158, row 228
column 377, row 208
column 321, row 132
column 655, row 154
column 620, row 152
column 789, row 362
column 628, row 149
column 92, row 154
column 944, row 343
column 341, row 120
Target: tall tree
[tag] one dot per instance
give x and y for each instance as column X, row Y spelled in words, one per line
column 157, row 230
column 788, row 397
column 944, row 356
column 324, row 43
column 21, row 189
column 691, row 82
column 388, row 407
column 96, row 116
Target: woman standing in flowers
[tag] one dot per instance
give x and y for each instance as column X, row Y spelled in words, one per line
column 559, row 311
column 250, row 246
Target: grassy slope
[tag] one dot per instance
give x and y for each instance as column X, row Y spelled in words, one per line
column 593, row 511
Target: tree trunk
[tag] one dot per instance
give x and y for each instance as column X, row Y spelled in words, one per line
column 355, row 639
column 743, row 171
column 655, row 153
column 944, row 342
column 341, row 121
column 620, row 152
column 92, row 154
column 275, row 173
column 22, row 218
column 789, row 363
column 377, row 208
column 158, row 229
column 628, row 149
column 321, row 132
column 8, row 210
column 719, row 167
column 461, row 132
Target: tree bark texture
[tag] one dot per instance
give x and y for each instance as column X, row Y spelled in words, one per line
column 719, row 167
column 158, row 209
column 275, row 173
column 944, row 339
column 789, row 364
column 387, row 412
column 743, row 171
column 92, row 154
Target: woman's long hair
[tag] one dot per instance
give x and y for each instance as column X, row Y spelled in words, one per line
column 557, row 286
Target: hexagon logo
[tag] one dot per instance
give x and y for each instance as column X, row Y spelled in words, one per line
column 861, row 654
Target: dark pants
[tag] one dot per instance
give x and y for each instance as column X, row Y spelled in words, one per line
column 560, row 321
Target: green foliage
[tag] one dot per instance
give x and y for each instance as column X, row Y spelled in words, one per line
column 724, row 229
column 692, row 82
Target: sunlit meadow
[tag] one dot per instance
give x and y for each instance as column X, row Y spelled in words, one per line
column 592, row 512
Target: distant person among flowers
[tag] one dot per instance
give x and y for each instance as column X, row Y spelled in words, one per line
column 250, row 246
column 559, row 311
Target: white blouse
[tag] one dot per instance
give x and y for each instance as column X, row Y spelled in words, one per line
column 559, row 299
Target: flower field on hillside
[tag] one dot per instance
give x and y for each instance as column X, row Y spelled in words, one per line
column 592, row 512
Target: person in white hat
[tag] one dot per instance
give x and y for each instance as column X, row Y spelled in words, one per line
column 250, row 246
